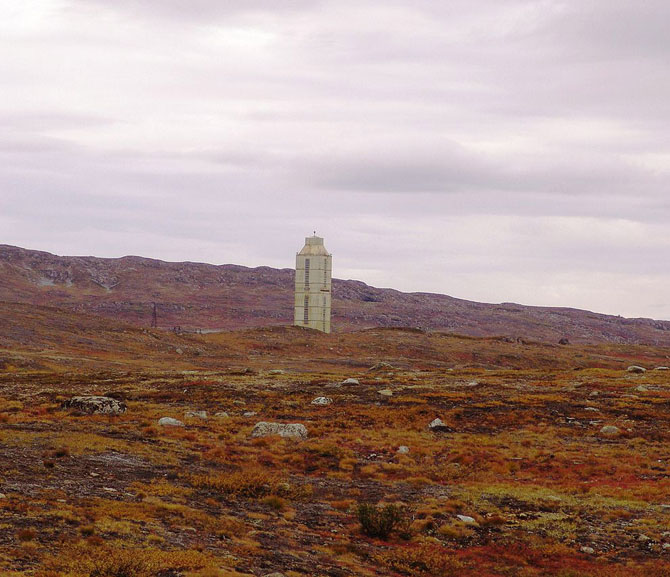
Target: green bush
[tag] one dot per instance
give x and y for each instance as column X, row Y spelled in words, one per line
column 381, row 521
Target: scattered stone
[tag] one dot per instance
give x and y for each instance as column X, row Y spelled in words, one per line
column 96, row 405
column 592, row 409
column 110, row 489
column 643, row 538
column 473, row 384
column 179, row 351
column 169, row 422
column 322, row 401
column 466, row 519
column 94, row 474
column 385, row 393
column 276, row 372
column 3, row 496
column 564, row 341
column 437, row 426
column 636, row 369
column 288, row 431
column 666, row 546
column 588, row 550
column 350, row 382
column 641, row 389
column 403, row 449
column 274, row 575
column 662, row 369
column 382, row 366
column 196, row 415
column 221, row 415
column 610, row 431
column 594, row 394
column 249, row 414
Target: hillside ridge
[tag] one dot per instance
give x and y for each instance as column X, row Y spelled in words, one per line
column 201, row 296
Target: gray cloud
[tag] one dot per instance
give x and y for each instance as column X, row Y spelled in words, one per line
column 519, row 150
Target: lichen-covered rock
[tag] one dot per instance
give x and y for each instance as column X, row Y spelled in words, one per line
column 170, row 422
column 96, row 405
column 610, row 431
column 322, row 401
column 636, row 369
column 437, row 426
column 286, row 430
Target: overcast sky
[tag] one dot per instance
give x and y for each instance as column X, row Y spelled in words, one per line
column 491, row 150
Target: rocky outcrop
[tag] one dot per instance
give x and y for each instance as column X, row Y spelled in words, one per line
column 288, row 431
column 95, row 405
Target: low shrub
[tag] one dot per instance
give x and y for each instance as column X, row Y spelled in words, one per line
column 382, row 521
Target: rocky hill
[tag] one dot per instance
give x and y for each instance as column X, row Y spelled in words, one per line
column 204, row 297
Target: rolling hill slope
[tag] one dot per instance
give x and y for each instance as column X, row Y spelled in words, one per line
column 197, row 296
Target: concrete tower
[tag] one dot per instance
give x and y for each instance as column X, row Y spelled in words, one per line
column 313, row 269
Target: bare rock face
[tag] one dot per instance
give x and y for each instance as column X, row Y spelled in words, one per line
column 286, row 430
column 95, row 405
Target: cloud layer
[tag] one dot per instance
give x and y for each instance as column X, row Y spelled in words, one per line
column 514, row 151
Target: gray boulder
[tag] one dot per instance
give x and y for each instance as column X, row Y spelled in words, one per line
column 610, row 431
column 437, row 426
column 96, row 405
column 196, row 415
column 350, row 382
column 286, row 430
column 403, row 449
column 169, row 422
column 636, row 369
column 322, row 401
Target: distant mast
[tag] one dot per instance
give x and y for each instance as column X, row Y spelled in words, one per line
column 313, row 270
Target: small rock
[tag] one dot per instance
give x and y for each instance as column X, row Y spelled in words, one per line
column 636, row 369
column 274, row 575
column 666, row 546
column 249, row 414
column 179, row 351
column 288, row 431
column 385, row 392
column 564, row 341
column 110, row 489
column 594, row 394
column 169, row 422
column 641, row 389
column 96, row 405
column 403, row 449
column 437, row 426
column 221, row 415
column 94, row 474
column 3, row 496
column 593, row 409
column 276, row 372
column 643, row 538
column 350, row 382
column 610, row 431
column 382, row 366
column 196, row 415
column 322, row 401
column 588, row 550
column 662, row 369
column 466, row 519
